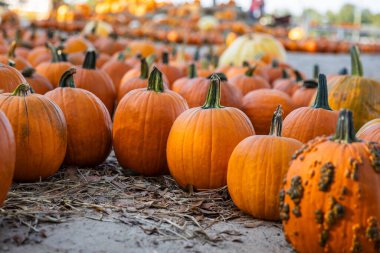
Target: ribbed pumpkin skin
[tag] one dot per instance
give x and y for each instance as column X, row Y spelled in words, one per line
column 131, row 84
column 303, row 96
column 40, row 132
column 360, row 95
column 256, row 170
column 171, row 72
column 370, row 131
column 7, row 156
column 195, row 93
column 249, row 83
column 89, row 126
column 20, row 62
column 200, row 144
column 358, row 196
column 259, row 106
column 116, row 69
column 99, row 83
column 39, row 83
column 53, row 71
column 10, row 78
column 142, row 123
column 306, row 123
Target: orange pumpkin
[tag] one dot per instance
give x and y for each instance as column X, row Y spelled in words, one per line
column 256, row 169
column 202, row 139
column 330, row 201
column 10, row 78
column 142, row 123
column 370, row 131
column 89, row 125
column 178, row 84
column 38, row 55
column 108, row 45
column 40, row 133
column 76, row 44
column 116, row 68
column 287, row 84
column 171, row 72
column 19, row 62
column 39, row 83
column 248, row 82
column 7, row 156
column 304, row 95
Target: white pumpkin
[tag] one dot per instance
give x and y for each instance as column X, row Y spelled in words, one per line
column 208, row 23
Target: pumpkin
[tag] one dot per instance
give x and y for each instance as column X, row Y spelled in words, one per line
column 53, row 70
column 108, row 45
column 259, row 105
column 102, row 59
column 116, row 68
column 355, row 92
column 195, row 92
column 96, row 81
column 76, row 44
column 39, row 83
column 370, row 131
column 330, row 201
column 38, row 55
column 178, row 84
column 304, row 95
column 10, row 78
column 306, row 123
column 19, row 62
column 287, row 84
column 202, row 139
column 256, row 169
column 7, row 156
column 89, row 125
column 144, row 48
column 248, row 81
column 250, row 46
column 143, row 120
column 171, row 72
column 40, row 133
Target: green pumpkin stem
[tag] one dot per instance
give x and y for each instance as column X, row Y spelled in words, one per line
column 67, row 79
column 11, row 63
column 23, row 89
column 310, row 84
column 284, row 74
column 165, row 58
column 345, row 131
column 356, row 64
column 246, row 64
column 276, row 126
column 343, row 71
column 197, row 54
column 155, row 82
column 192, row 71
column 250, row 71
column 121, row 56
column 54, row 54
column 11, row 51
column 90, row 59
column 144, row 69
column 315, row 71
column 275, row 63
column 298, row 76
column 214, row 93
column 28, row 72
column 322, row 99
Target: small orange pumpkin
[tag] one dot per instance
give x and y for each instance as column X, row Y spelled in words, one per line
column 179, row 83
column 116, row 68
column 370, row 131
column 171, row 72
column 248, row 81
column 39, row 83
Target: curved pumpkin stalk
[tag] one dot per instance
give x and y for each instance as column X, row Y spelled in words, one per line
column 23, row 89
column 54, row 54
column 28, row 72
column 12, row 49
column 250, row 71
column 322, row 99
column 90, row 59
column 144, row 69
column 276, row 126
column 155, row 82
column 67, row 79
column 192, row 71
column 356, row 64
column 214, row 93
column 165, row 58
column 345, row 128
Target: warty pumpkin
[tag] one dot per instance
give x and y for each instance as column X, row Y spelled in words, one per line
column 330, row 201
column 39, row 83
column 10, row 78
column 142, row 123
column 249, row 81
column 40, row 133
column 202, row 139
column 7, row 156
column 256, row 169
column 306, row 123
column 116, row 68
column 89, row 125
column 370, row 131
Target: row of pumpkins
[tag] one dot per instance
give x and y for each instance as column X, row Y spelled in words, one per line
column 233, row 133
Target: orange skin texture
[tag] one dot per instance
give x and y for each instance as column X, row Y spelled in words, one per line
column 306, row 123
column 116, row 69
column 195, row 93
column 7, row 156
column 303, row 96
column 40, row 132
column 358, row 94
column 22, row 51
column 11, row 78
column 89, row 126
column 361, row 200
column 249, row 83
column 76, row 44
column 204, row 72
column 20, row 62
column 39, row 83
column 370, row 131
column 201, row 142
column 259, row 106
column 288, row 86
column 142, row 123
column 256, row 169
column 99, row 83
column 108, row 45
column 171, row 72
column 136, row 72
column 76, row 58
column 101, row 59
column 36, row 53
column 53, row 71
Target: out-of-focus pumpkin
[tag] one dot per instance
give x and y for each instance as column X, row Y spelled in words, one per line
column 76, row 44
column 288, row 84
column 248, row 82
column 97, row 27
column 38, row 55
column 179, row 83
column 39, row 83
column 370, row 131
column 116, row 68
column 145, row 48
column 304, row 95
column 10, row 78
column 19, row 62
column 171, row 72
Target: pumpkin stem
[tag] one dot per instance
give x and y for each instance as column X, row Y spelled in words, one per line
column 215, row 61
column 246, row 64
column 155, row 81
column 315, row 71
column 275, row 64
column 23, row 89
column 165, row 58
column 343, row 71
column 220, row 75
column 121, row 56
column 276, row 126
column 144, row 69
column 67, row 79
column 345, row 128
column 54, row 54
column 250, row 71
column 12, row 48
column 285, row 74
column 90, row 59
column 322, row 99
column 214, row 93
column 11, row 63
column 310, row 84
column 28, row 72
column 298, row 76
column 62, row 55
column 197, row 54
column 356, row 64
column 150, row 59
column 192, row 71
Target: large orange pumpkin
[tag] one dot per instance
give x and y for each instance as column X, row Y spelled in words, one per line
column 256, row 169
column 96, row 81
column 143, row 120
column 39, row 83
column 248, row 82
column 370, row 131
column 10, row 78
column 330, row 201
column 89, row 124
column 306, row 123
column 40, row 133
column 202, row 139
column 7, row 156
column 116, row 68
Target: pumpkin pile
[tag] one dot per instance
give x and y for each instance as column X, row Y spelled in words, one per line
column 284, row 144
